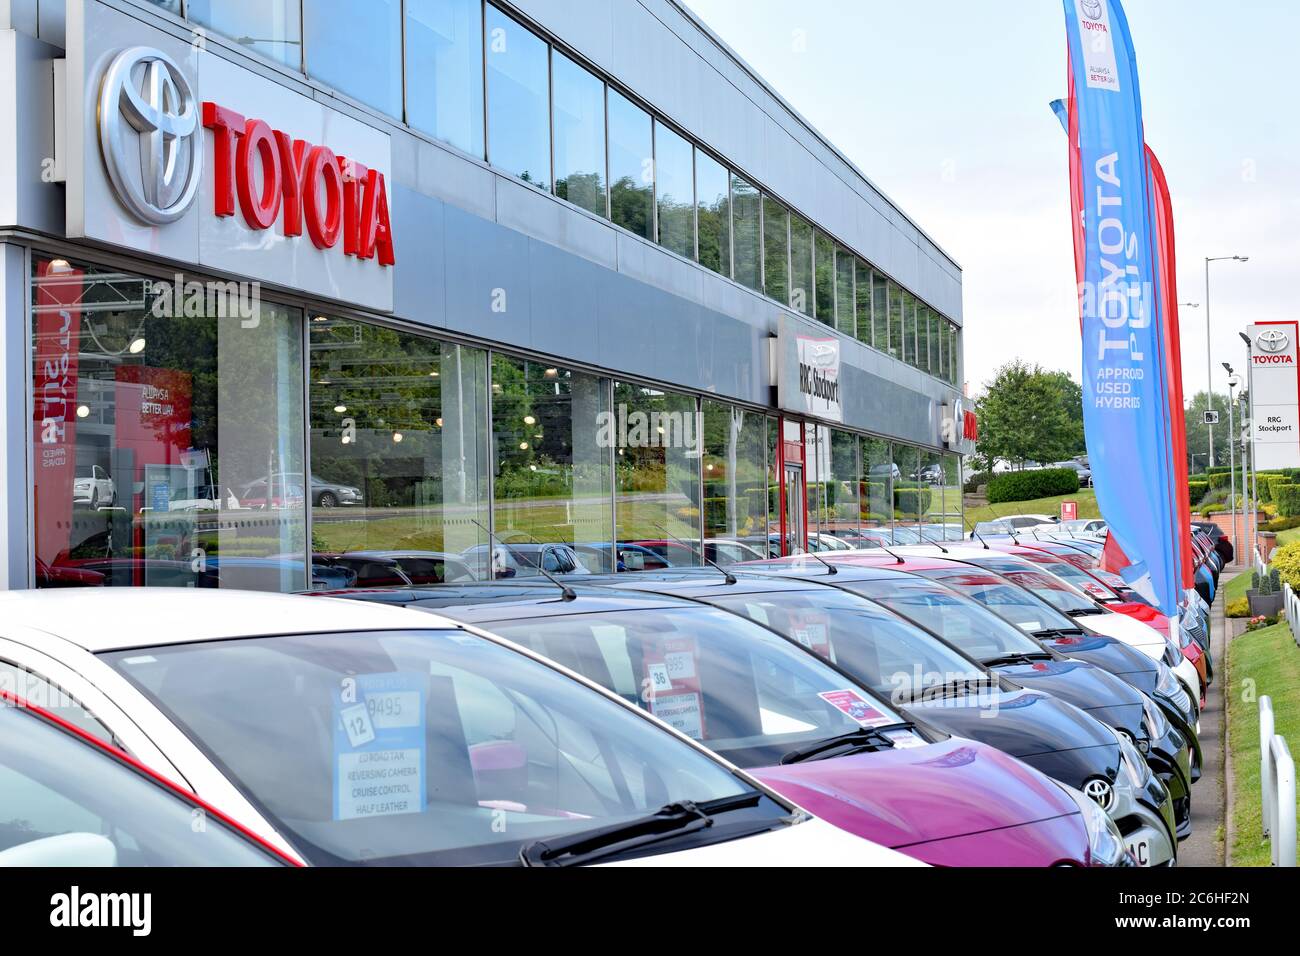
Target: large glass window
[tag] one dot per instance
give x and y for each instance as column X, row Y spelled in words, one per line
column 845, row 303
column 657, row 466
column 359, row 55
column 880, row 313
column 941, row 348
column 801, row 265
column 271, row 27
column 579, row 134
column 746, row 211
column 922, row 337
column 909, row 328
column 931, row 482
column 895, row 320
column 519, row 109
column 825, row 262
column 713, row 189
column 862, row 301
column 675, row 191
column 843, row 496
column 816, row 451
column 878, row 485
column 954, row 355
column 907, row 497
column 168, row 445
column 398, row 452
column 444, row 71
column 553, row 482
column 631, row 166
column 735, row 483
column 776, row 250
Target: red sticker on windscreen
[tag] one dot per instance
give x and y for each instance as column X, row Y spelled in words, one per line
column 856, row 706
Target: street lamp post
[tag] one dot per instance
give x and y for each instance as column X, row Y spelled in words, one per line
column 1233, row 382
column 1249, row 447
column 1209, row 373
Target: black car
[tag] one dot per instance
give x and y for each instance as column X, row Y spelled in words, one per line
column 1222, row 543
column 987, row 638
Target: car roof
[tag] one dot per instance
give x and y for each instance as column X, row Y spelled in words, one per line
column 697, row 583
column 498, row 601
column 107, row 619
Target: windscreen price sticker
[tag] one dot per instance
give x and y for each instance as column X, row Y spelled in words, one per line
column 682, row 712
column 379, row 746
column 855, row 706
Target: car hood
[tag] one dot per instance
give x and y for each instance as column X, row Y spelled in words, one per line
column 1022, row 723
column 1124, row 628
column 1110, row 655
column 907, row 796
column 811, row 843
column 1077, row 682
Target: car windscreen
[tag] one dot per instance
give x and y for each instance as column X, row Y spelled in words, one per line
column 422, row 746
column 740, row 689
column 1051, row 589
column 897, row 660
column 56, row 785
column 1069, row 572
column 1008, row 601
column 964, row 623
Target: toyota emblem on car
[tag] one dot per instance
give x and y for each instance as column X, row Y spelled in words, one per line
column 149, row 134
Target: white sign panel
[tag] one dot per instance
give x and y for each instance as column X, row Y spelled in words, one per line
column 177, row 153
column 1098, row 44
column 1274, row 395
column 808, row 372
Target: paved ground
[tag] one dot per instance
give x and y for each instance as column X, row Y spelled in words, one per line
column 1205, row 847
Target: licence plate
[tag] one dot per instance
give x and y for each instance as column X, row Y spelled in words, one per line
column 1141, row 850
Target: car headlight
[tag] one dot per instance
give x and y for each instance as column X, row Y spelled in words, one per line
column 1167, row 685
column 1172, row 654
column 1105, row 843
column 1157, row 723
column 1135, row 766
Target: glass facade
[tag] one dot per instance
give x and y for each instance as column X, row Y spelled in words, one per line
column 398, row 449
column 444, row 71
column 171, row 443
column 776, row 250
column 272, row 28
column 358, row 55
column 713, row 212
column 674, row 167
column 518, row 100
column 656, row 437
column 824, row 258
column 546, row 124
column 747, row 235
column 168, row 444
column 579, row 130
column 631, row 166
column 552, row 462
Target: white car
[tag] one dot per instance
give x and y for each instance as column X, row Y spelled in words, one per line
column 346, row 732
column 94, row 488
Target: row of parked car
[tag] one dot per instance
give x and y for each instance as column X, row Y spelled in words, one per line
column 997, row 702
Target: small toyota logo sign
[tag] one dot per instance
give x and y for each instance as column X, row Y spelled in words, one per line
column 1272, row 341
column 1100, row 791
column 1092, row 9
column 149, row 134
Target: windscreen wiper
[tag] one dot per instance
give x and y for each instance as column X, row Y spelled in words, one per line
column 1059, row 632
column 1086, row 611
column 957, row 687
column 1027, row 657
column 672, row 820
column 863, row 738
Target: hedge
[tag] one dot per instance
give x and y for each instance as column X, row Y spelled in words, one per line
column 1286, row 561
column 913, row 501
column 1219, row 480
column 1287, row 496
column 1028, row 485
column 1197, row 490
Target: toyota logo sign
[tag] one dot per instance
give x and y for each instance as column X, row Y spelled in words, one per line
column 150, row 135
column 1100, row 791
column 1272, row 341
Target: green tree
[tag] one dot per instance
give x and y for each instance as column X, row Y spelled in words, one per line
column 1029, row 414
column 1198, row 437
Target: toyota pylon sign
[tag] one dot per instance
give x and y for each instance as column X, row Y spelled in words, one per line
column 1274, row 395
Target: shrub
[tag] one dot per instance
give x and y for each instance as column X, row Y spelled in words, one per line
column 1197, row 490
column 1238, row 608
column 1219, row 479
column 1286, row 562
column 912, row 501
column 1028, row 485
column 1207, row 510
column 973, row 482
column 1281, row 524
column 1287, row 497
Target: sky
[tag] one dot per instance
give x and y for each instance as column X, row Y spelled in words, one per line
column 943, row 105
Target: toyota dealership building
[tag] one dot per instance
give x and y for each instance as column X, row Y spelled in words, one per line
column 466, row 283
